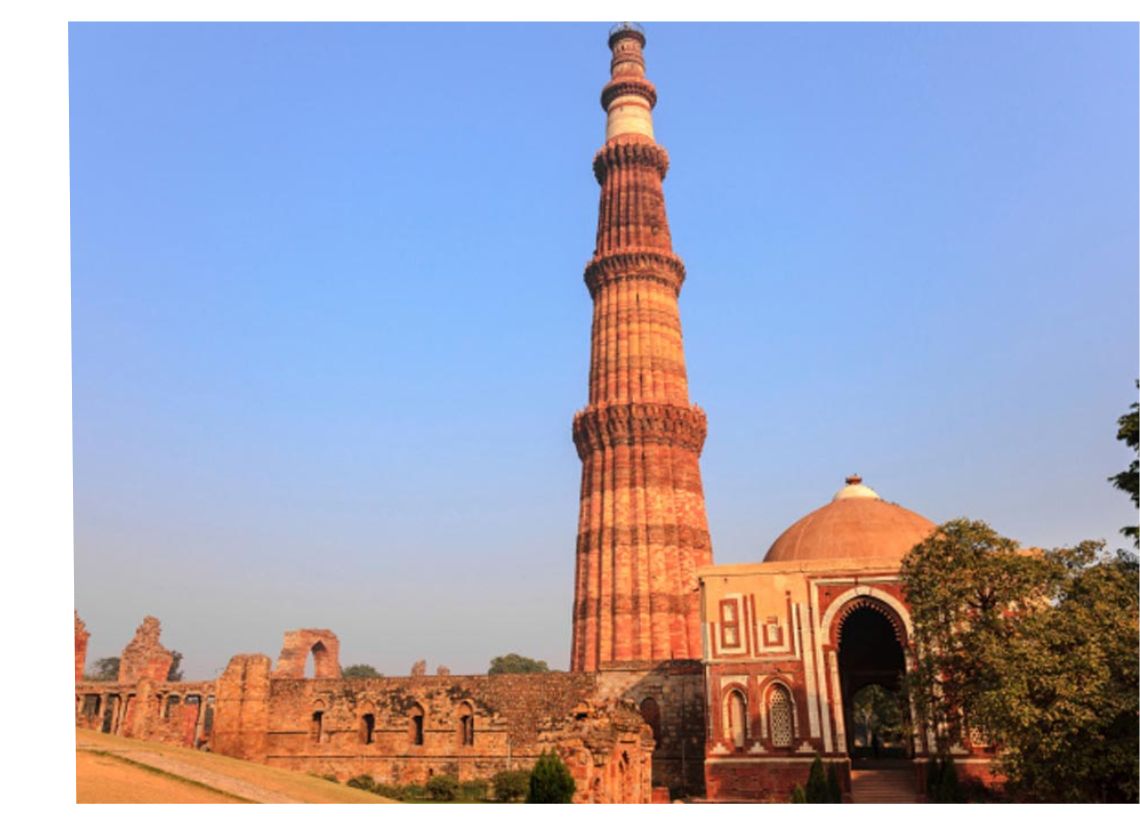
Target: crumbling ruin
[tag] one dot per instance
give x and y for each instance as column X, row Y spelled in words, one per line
column 398, row 730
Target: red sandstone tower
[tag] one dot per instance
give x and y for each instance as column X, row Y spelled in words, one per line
column 642, row 529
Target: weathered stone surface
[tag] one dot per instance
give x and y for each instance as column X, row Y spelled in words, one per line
column 608, row 749
column 398, row 730
column 299, row 645
column 144, row 658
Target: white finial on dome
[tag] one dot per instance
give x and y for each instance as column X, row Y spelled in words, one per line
column 855, row 490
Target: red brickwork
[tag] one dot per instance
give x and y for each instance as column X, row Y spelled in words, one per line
column 770, row 782
column 642, row 528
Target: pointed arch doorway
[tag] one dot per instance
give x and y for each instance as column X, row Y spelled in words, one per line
column 871, row 639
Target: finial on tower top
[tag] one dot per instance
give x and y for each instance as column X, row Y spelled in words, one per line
column 620, row 30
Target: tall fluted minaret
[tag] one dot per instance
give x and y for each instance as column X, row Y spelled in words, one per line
column 642, row 529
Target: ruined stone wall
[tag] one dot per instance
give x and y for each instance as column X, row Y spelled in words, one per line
column 322, row 644
column 242, row 724
column 144, row 657
column 608, row 749
column 173, row 713
column 368, row 726
column 676, row 689
column 401, row 730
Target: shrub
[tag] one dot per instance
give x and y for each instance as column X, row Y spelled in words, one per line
column 362, row 782
column 550, row 781
column 948, row 792
column 816, row 790
column 834, row 793
column 413, row 792
column 511, row 785
column 475, row 790
column 942, row 782
column 442, row 787
column 798, row 795
column 389, row 791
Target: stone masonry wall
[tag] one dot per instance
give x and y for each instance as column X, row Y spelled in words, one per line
column 677, row 690
column 608, row 749
column 367, row 726
column 397, row 730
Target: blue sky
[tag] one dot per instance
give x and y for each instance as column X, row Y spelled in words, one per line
column 329, row 327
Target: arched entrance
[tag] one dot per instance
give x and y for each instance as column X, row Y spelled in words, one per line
column 872, row 662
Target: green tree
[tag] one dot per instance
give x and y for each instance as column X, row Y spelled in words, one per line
column 514, row 664
column 360, row 670
column 942, row 782
column 1037, row 651
column 816, row 789
column 877, row 711
column 798, row 795
column 106, row 669
column 1128, row 480
column 834, row 793
column 550, row 781
column 174, row 673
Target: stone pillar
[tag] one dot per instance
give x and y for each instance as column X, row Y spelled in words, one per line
column 142, row 711
column 642, row 528
column 241, row 708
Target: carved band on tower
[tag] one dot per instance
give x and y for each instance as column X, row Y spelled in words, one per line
column 642, row 529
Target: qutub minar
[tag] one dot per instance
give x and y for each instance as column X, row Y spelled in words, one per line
column 642, row 530
column 687, row 680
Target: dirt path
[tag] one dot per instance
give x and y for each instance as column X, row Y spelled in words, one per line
column 235, row 787
column 188, row 774
column 105, row 779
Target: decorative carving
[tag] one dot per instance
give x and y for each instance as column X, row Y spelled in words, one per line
column 639, row 423
column 865, row 602
column 630, row 152
column 626, row 85
column 645, row 264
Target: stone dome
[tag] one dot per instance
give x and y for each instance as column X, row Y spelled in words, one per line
column 857, row 523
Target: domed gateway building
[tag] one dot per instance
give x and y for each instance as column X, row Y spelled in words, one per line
column 806, row 650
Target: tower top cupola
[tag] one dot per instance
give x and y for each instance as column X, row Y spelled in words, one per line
column 629, row 97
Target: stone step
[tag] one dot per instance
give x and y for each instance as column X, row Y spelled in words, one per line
column 893, row 786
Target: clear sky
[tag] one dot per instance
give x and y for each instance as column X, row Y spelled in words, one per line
column 330, row 328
